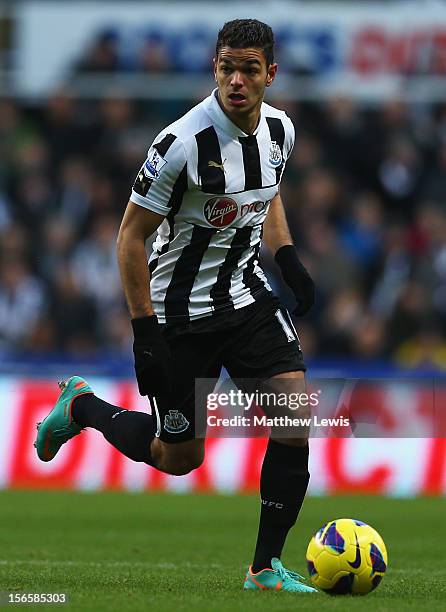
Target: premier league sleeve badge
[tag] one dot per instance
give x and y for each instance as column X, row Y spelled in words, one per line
column 154, row 164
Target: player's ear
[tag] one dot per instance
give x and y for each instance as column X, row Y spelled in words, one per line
column 271, row 74
column 214, row 61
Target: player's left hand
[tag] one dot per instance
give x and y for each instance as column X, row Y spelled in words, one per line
column 297, row 278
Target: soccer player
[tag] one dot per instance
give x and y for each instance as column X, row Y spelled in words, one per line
column 210, row 186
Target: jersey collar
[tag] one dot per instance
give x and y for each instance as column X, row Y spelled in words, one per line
column 222, row 121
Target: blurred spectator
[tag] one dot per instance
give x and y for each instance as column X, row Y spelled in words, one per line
column 320, row 195
column 35, row 201
column 63, row 128
column 431, row 266
column 341, row 316
column 22, row 303
column 118, row 126
column 117, row 333
column 306, row 155
column 16, row 131
column 95, row 266
column 58, row 236
column 154, row 55
column 73, row 313
column 5, row 211
column 412, row 308
column 395, row 270
column 343, row 137
column 435, row 183
column 14, row 244
column 361, row 231
column 103, row 198
column 74, row 192
column 399, row 173
column 331, row 267
column 101, row 55
column 369, row 340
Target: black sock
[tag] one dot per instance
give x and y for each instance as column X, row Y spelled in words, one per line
column 283, row 484
column 129, row 431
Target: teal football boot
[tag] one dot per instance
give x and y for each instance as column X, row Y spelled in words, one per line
column 276, row 579
column 58, row 427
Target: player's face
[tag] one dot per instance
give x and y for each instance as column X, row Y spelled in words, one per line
column 242, row 75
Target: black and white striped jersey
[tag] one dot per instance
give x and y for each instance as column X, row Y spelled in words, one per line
column 214, row 184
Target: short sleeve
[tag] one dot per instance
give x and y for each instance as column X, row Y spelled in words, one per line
column 289, row 137
column 158, row 181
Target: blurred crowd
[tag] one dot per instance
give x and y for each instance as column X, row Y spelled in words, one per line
column 155, row 50
column 109, row 51
column 365, row 193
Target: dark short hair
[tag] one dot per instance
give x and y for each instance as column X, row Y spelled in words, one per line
column 244, row 33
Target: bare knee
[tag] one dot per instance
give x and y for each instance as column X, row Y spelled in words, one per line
column 184, row 465
column 178, row 459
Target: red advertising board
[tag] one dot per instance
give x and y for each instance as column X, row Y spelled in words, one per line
column 394, row 466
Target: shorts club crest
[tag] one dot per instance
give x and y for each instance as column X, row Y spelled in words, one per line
column 175, row 422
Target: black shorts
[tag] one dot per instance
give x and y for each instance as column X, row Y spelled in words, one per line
column 254, row 342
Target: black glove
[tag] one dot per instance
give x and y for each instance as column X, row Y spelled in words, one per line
column 153, row 361
column 296, row 277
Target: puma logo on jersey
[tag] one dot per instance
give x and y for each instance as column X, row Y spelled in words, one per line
column 214, row 164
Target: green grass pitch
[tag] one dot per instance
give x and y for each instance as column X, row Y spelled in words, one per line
column 123, row 551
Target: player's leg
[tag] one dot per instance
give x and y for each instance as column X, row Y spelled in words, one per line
column 177, row 459
column 131, row 432
column 179, row 444
column 283, row 482
column 283, row 486
column 267, row 349
column 77, row 407
column 134, row 433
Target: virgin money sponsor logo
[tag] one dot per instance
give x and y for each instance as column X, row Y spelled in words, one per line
column 253, row 207
column 220, row 212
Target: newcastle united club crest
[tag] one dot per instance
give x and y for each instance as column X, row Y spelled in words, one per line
column 275, row 154
column 175, row 422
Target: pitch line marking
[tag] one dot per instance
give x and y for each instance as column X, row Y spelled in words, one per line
column 40, row 562
column 172, row 566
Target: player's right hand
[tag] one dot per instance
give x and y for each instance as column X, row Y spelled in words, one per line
column 153, row 361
